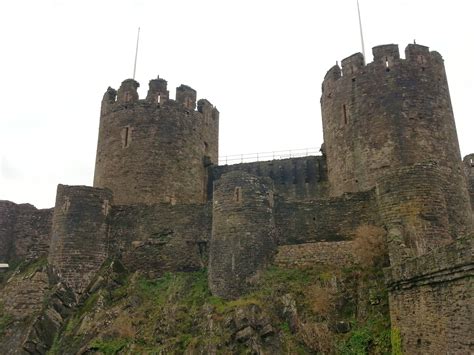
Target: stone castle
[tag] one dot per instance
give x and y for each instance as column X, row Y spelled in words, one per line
column 390, row 158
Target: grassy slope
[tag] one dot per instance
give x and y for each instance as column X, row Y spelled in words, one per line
column 315, row 310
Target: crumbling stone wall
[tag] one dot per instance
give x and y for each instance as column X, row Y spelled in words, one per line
column 294, row 179
column 24, row 232
column 161, row 238
column 156, row 150
column 390, row 113
column 243, row 232
column 431, row 300
column 79, row 243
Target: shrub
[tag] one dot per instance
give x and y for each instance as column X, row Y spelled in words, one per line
column 370, row 247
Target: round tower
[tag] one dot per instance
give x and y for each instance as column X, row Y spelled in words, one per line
column 391, row 113
column 79, row 243
column 243, row 232
column 156, row 149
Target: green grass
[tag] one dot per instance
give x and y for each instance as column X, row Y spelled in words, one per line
column 172, row 311
column 108, row 346
column 5, row 320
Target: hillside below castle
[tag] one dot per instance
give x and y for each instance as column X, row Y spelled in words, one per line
column 170, row 252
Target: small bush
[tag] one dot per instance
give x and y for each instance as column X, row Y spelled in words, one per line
column 370, row 246
column 322, row 300
column 317, row 337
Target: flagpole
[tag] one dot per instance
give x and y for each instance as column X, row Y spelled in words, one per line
column 360, row 28
column 136, row 54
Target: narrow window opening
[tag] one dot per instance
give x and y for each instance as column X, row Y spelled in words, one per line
column 386, row 64
column 158, row 98
column 472, row 162
column 345, row 113
column 126, row 136
column 206, row 147
column 238, row 194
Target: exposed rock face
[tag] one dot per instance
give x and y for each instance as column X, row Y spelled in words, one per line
column 37, row 304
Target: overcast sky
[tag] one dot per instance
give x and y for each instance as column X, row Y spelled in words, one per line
column 261, row 62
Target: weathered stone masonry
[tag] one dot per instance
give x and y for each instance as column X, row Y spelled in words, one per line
column 390, row 159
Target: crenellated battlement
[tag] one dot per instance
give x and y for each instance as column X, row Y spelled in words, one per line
column 390, row 113
column 175, row 142
column 385, row 56
column 127, row 97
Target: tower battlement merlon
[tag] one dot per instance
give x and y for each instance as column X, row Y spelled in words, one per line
column 127, row 93
column 386, row 55
column 186, row 96
column 207, row 109
column 352, row 64
column 157, row 91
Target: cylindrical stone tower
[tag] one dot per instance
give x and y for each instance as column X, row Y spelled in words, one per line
column 391, row 113
column 412, row 200
column 79, row 234
column 157, row 149
column 243, row 232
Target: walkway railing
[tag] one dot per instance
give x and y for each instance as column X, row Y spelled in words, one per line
column 280, row 154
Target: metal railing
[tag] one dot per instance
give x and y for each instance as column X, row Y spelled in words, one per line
column 280, row 154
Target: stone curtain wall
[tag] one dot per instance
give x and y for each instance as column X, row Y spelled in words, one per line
column 338, row 254
column 25, row 232
column 294, row 179
column 79, row 243
column 156, row 150
column 330, row 219
column 161, row 238
column 431, row 300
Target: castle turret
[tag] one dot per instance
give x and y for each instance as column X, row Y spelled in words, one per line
column 79, row 243
column 243, row 232
column 157, row 149
column 388, row 114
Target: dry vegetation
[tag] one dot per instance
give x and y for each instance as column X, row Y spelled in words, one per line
column 370, row 247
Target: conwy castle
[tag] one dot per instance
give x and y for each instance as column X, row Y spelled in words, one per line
column 161, row 203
